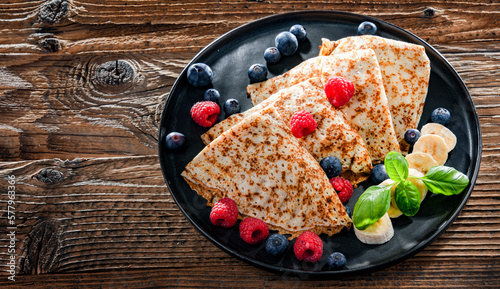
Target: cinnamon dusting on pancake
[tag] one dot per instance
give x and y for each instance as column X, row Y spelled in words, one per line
column 290, row 194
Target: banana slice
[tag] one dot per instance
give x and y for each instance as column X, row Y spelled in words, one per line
column 394, row 211
column 420, row 161
column 422, row 188
column 438, row 129
column 433, row 145
column 377, row 233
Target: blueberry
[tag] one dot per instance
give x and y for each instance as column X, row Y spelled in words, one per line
column 332, row 166
column 257, row 73
column 441, row 115
column 299, row 31
column 379, row 174
column 367, row 28
column 286, row 43
column 272, row 55
column 199, row 75
column 336, row 260
column 276, row 245
column 174, row 141
column 348, row 211
column 231, row 106
column 212, row 94
column 411, row 136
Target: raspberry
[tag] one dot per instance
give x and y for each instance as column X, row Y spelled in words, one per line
column 253, row 230
column 308, row 247
column 205, row 113
column 302, row 123
column 343, row 187
column 339, row 90
column 224, row 213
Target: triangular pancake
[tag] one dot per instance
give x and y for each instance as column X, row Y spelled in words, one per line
column 332, row 137
column 405, row 72
column 260, row 165
column 367, row 111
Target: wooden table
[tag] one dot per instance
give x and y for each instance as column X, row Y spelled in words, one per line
column 82, row 87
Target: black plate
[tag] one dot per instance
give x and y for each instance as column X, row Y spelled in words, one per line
column 231, row 55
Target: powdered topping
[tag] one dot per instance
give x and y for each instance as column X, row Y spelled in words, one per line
column 289, row 192
column 405, row 70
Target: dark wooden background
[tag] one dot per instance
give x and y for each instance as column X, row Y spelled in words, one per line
column 82, row 85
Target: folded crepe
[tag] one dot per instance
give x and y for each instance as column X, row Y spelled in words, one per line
column 405, row 72
column 260, row 165
column 367, row 111
column 333, row 135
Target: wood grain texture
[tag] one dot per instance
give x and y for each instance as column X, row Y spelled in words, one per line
column 82, row 87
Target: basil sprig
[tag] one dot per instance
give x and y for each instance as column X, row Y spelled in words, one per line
column 371, row 206
column 445, row 180
column 407, row 198
column 376, row 200
column 396, row 166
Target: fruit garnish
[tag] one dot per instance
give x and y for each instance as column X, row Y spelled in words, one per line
column 339, row 90
column 433, row 145
column 336, row 260
column 308, row 247
column 286, row 43
column 174, row 141
column 438, row 129
column 199, row 75
column 332, row 166
column 376, row 200
column 411, row 136
column 205, row 113
column 299, row 31
column 276, row 245
column 441, row 115
column 231, row 106
column 224, row 213
column 378, row 174
column 367, row 28
column 420, row 161
column 377, row 233
column 343, row 188
column 348, row 211
column 212, row 94
column 253, row 231
column 272, row 55
column 302, row 123
column 257, row 72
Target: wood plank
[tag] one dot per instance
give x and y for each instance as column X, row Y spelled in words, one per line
column 79, row 110
column 419, row 273
column 91, row 26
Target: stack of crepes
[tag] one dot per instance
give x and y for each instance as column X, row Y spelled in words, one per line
column 253, row 158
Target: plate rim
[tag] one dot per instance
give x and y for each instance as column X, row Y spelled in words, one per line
column 345, row 272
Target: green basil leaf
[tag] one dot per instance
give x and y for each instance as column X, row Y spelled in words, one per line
column 371, row 206
column 445, row 180
column 396, row 166
column 407, row 197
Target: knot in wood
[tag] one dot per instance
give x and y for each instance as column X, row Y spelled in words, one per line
column 50, row 176
column 429, row 12
column 51, row 45
column 41, row 250
column 53, row 11
column 114, row 73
